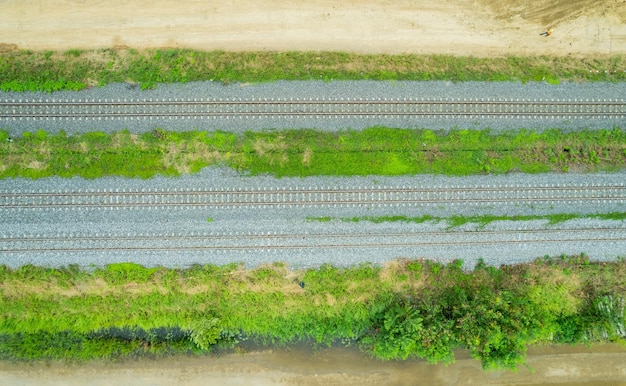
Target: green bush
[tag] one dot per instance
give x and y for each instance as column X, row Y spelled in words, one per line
column 125, row 273
column 410, row 309
column 373, row 151
column 74, row 69
column 205, row 333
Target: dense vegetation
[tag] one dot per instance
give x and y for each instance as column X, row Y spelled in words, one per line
column 405, row 309
column 77, row 69
column 374, row 151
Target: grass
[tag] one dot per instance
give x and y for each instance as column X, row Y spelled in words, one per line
column 480, row 221
column 405, row 308
column 77, row 69
column 299, row 153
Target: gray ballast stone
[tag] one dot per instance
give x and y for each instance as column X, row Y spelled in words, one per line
column 300, row 90
column 156, row 224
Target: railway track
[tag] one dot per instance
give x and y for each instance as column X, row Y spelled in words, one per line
column 308, row 241
column 272, row 241
column 155, row 226
column 146, row 109
column 43, row 241
column 311, row 196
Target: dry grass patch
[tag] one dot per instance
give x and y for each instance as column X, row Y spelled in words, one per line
column 534, row 154
column 36, row 165
column 306, row 156
column 83, row 147
column 43, row 149
column 606, row 278
column 15, row 289
column 12, row 159
column 555, row 290
column 271, row 278
column 331, row 300
column 113, row 60
column 182, row 156
column 174, row 156
column 432, row 153
column 123, row 139
column 396, row 274
column 274, row 151
column 51, row 288
column 262, row 146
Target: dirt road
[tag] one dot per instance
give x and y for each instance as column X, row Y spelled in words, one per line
column 477, row 27
column 597, row 366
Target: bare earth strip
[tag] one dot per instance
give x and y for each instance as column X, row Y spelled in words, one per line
column 462, row 27
column 596, row 366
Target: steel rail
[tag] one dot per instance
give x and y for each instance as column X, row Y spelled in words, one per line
column 150, row 236
column 239, row 101
column 317, row 246
column 430, row 241
column 129, row 191
column 374, row 189
column 309, row 196
column 325, row 114
column 283, row 107
column 158, row 205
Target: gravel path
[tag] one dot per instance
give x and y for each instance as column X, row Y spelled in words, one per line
column 151, row 227
column 329, row 90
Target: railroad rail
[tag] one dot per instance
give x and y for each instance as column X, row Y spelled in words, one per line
column 310, row 196
column 141, row 109
column 272, row 241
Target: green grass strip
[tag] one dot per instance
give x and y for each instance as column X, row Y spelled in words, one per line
column 298, row 153
column 481, row 221
column 404, row 309
column 77, row 69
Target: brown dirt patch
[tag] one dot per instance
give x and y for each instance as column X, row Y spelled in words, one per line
column 478, row 28
column 598, row 366
column 551, row 13
column 306, row 156
column 8, row 47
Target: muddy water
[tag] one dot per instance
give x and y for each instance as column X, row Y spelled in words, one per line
column 600, row 365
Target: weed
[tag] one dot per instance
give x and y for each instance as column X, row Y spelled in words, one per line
column 73, row 52
column 373, row 151
column 406, row 309
column 319, row 219
column 480, row 221
column 76, row 68
column 415, row 266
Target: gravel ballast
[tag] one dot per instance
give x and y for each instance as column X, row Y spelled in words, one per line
column 153, row 226
column 301, row 90
column 158, row 226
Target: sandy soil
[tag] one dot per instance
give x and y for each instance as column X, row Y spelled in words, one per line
column 476, row 27
column 599, row 366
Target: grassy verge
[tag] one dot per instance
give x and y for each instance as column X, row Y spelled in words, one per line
column 480, row 221
column 405, row 309
column 374, row 151
column 77, row 69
